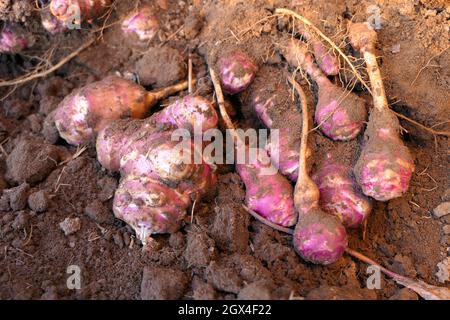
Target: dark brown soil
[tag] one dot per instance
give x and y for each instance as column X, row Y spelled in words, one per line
column 223, row 253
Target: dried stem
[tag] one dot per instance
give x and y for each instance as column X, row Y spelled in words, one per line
column 221, row 101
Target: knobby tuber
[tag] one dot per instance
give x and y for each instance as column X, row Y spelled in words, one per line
column 76, row 11
column 339, row 193
column 161, row 177
column 142, row 23
column 270, row 195
column 14, row 39
column 89, row 109
column 189, row 112
column 236, row 70
column 324, row 57
column 340, row 114
column 122, row 136
column 271, row 102
column 318, row 237
column 149, row 206
column 385, row 166
column 268, row 192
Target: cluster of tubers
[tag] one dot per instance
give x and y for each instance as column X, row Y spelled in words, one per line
column 158, row 185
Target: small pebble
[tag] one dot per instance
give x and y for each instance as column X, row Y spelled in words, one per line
column 38, row 201
column 442, row 210
column 18, row 196
column 447, row 229
column 395, row 48
column 70, row 225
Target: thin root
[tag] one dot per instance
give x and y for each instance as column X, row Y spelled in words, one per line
column 44, row 73
column 305, row 21
column 432, row 131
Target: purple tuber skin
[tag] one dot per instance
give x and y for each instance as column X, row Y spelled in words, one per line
column 268, row 192
column 339, row 194
column 189, row 112
column 149, row 206
column 159, row 183
column 285, row 155
column 385, row 166
column 91, row 108
column 340, row 114
column 327, row 62
column 270, row 110
column 72, row 10
column 14, row 39
column 236, row 70
column 324, row 57
column 183, row 113
column 142, row 23
column 318, row 237
column 270, row 195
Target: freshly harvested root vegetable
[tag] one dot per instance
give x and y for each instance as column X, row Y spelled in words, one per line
column 149, row 206
column 327, row 62
column 159, row 181
column 141, row 23
column 268, row 192
column 189, row 112
column 284, row 155
column 324, row 57
column 340, row 114
column 236, row 70
column 14, row 39
column 385, row 166
column 88, row 110
column 84, row 10
column 318, row 237
column 123, row 136
column 271, row 102
column 339, row 193
column 270, row 195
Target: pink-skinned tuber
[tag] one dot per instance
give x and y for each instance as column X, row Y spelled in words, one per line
column 122, row 136
column 141, row 23
column 14, row 39
column 268, row 192
column 318, row 237
column 149, row 206
column 236, row 70
column 161, row 177
column 340, row 114
column 324, row 57
column 189, row 112
column 339, row 193
column 272, row 103
column 89, row 109
column 385, row 165
column 76, row 11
